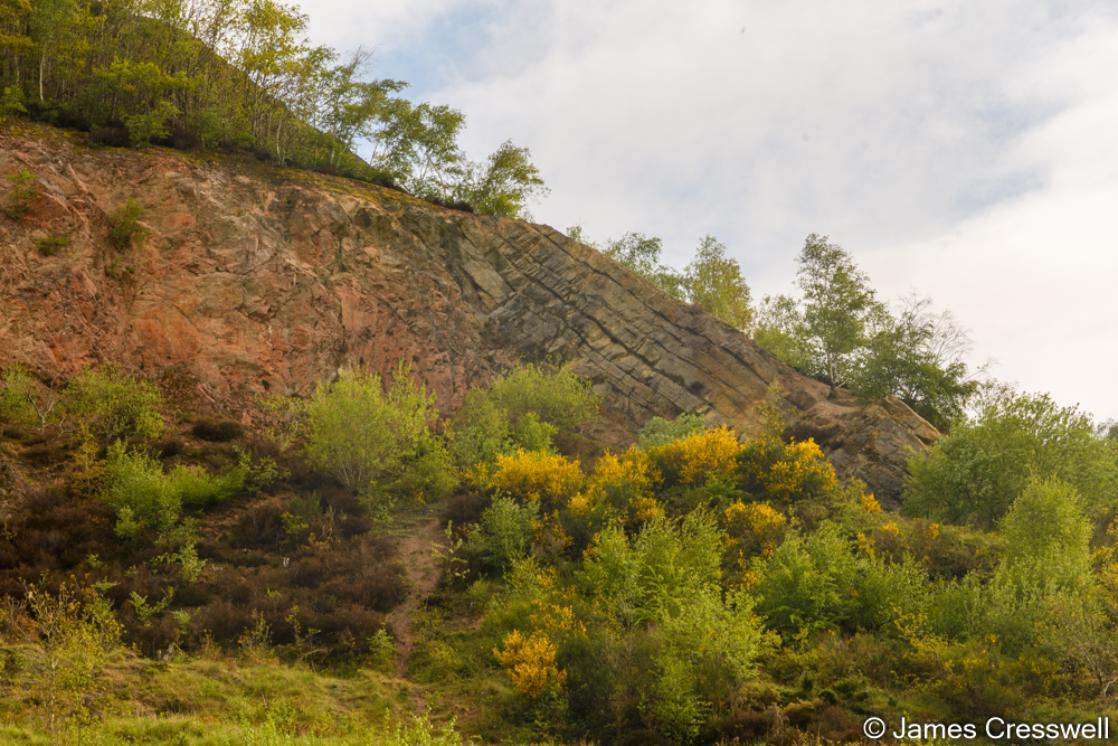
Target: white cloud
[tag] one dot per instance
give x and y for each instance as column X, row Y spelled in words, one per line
column 964, row 149
column 381, row 24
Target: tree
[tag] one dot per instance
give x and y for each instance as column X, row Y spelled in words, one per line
column 780, row 328
column 504, row 186
column 917, row 356
column 974, row 474
column 838, row 306
column 368, row 435
column 714, row 284
column 640, row 254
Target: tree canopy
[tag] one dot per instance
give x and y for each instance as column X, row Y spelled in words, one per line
column 241, row 75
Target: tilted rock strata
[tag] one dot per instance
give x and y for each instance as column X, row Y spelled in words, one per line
column 253, row 279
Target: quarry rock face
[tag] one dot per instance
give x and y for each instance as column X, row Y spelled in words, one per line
column 252, row 279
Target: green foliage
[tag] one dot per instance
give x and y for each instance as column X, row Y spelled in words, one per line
column 838, row 304
column 918, row 357
column 79, row 637
column 714, row 283
column 503, row 534
column 17, row 397
column 241, row 75
column 561, row 398
column 124, row 225
column 839, row 332
column 525, row 408
column 144, row 497
column 640, row 254
column 23, row 191
column 1047, row 534
column 712, row 280
column 779, row 328
column 377, row 441
column 974, row 474
column 659, row 431
column 480, row 430
column 109, row 405
column 382, row 648
column 505, row 185
column 151, row 125
column 675, row 646
column 11, row 101
column 802, row 584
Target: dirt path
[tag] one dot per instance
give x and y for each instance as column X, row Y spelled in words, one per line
column 418, row 554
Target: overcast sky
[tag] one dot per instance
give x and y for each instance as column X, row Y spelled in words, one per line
column 964, row 150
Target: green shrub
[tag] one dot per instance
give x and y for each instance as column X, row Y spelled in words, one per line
column 110, row 405
column 124, row 225
column 377, row 442
column 151, row 125
column 17, row 398
column 11, row 101
column 804, row 584
column 480, row 430
column 503, row 534
column 974, row 474
column 24, row 192
column 78, row 637
column 52, row 244
column 525, row 408
column 659, row 431
column 144, row 497
column 561, row 398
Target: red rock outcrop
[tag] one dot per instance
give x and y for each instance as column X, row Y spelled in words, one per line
column 252, row 279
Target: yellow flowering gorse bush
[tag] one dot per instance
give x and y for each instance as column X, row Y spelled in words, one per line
column 529, row 662
column 754, row 527
column 538, row 476
column 698, row 457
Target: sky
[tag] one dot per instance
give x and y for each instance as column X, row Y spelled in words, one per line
column 959, row 150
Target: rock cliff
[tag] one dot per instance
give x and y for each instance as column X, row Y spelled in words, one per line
column 255, row 279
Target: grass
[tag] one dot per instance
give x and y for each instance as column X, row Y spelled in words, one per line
column 220, row 701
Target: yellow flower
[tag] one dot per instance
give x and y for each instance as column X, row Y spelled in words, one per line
column 695, row 458
column 529, row 662
column 870, row 503
column 537, row 476
column 756, row 527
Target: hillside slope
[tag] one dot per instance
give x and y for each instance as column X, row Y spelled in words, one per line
column 252, row 279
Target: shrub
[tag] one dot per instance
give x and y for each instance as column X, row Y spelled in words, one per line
column 753, row 528
column 702, row 457
column 144, row 497
column 17, row 398
column 377, row 442
column 621, row 487
column 109, row 405
column 52, row 244
column 11, row 101
column 24, row 192
column 805, row 584
column 124, row 225
column 974, row 474
column 787, row 473
column 151, row 125
column 529, row 661
column 504, row 533
column 79, row 637
column 539, row 404
column 547, row 479
column 480, row 430
column 1047, row 534
column 659, row 431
